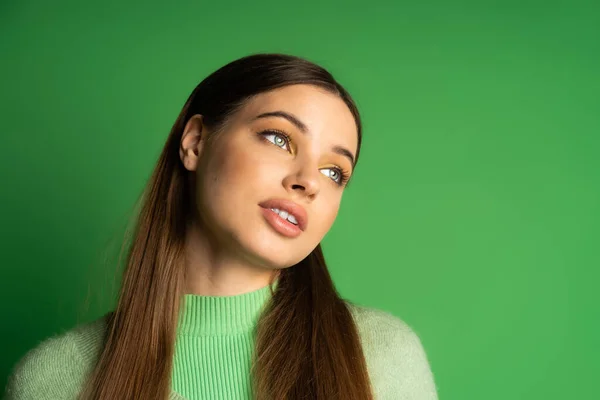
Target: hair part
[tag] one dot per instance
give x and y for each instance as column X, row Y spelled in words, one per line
column 307, row 343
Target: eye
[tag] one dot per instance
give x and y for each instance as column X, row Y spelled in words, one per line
column 336, row 174
column 279, row 139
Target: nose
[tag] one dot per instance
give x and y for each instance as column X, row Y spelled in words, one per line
column 304, row 180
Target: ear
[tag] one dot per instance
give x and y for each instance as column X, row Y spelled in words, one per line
column 193, row 141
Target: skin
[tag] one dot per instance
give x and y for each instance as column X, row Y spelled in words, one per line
column 230, row 248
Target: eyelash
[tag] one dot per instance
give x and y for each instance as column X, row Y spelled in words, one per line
column 344, row 175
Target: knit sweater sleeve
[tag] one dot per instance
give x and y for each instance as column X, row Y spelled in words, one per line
column 58, row 367
column 51, row 370
column 396, row 359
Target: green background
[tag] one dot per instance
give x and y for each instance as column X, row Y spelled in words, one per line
column 474, row 213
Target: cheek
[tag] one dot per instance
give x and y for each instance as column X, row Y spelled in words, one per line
column 331, row 216
column 222, row 161
column 324, row 216
column 234, row 175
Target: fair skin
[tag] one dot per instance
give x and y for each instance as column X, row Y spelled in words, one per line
column 230, row 248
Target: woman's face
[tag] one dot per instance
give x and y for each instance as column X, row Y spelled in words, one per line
column 295, row 145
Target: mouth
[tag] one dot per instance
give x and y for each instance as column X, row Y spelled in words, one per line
column 285, row 216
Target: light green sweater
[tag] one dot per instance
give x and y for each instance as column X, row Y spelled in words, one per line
column 212, row 354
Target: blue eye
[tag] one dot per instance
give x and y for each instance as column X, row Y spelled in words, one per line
column 280, row 139
column 338, row 175
column 333, row 174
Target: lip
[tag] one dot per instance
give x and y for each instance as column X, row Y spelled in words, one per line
column 292, row 208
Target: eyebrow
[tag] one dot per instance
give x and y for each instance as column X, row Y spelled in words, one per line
column 302, row 127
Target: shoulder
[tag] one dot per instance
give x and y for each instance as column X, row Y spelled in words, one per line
column 395, row 356
column 384, row 333
column 56, row 368
column 379, row 324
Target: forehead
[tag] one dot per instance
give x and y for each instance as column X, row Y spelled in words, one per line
column 325, row 114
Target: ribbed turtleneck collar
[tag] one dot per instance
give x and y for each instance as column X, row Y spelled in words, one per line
column 222, row 315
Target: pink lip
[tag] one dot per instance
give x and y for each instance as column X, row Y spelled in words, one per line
column 292, row 208
column 280, row 225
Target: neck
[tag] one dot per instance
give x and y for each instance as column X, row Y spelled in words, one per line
column 211, row 272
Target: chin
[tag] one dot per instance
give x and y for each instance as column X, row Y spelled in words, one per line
column 266, row 247
column 276, row 254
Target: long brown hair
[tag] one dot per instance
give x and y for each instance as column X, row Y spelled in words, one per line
column 307, row 344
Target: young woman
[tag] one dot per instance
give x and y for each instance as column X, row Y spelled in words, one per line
column 226, row 294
